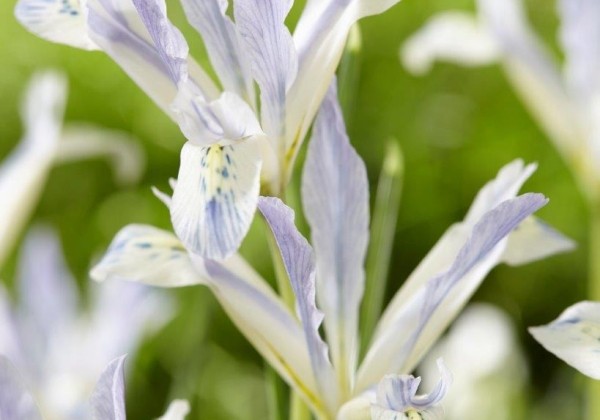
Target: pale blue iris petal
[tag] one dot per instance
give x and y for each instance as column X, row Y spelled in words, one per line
column 299, row 262
column 215, row 197
column 15, row 400
column 335, row 195
column 60, row 21
column 574, row 337
column 209, row 18
column 272, row 54
column 434, row 305
column 108, row 399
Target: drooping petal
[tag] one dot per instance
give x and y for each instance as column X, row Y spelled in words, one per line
column 82, row 141
column 534, row 240
column 48, row 294
column 148, row 255
column 574, row 337
column 271, row 328
column 451, row 36
column 61, row 21
column 533, row 72
column 505, row 186
column 272, row 54
column 215, row 197
column 117, row 29
column 177, row 410
column 425, row 315
column 23, row 173
column 108, row 399
column 335, row 195
column 320, row 37
column 15, row 400
column 299, row 262
column 210, row 19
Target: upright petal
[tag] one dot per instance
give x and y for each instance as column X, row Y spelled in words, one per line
column 15, row 400
column 210, row 19
column 273, row 58
column 23, row 173
column 299, row 262
column 451, row 36
column 422, row 318
column 108, row 398
column 178, row 410
column 118, row 30
column 335, row 195
column 574, row 337
column 48, row 294
column 60, row 21
column 320, row 37
column 215, row 197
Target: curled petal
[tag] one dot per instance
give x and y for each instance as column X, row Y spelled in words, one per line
column 215, row 197
column 399, row 392
column 61, row 21
column 453, row 37
column 574, row 337
column 108, row 398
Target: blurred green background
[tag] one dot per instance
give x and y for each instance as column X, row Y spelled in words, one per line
column 456, row 128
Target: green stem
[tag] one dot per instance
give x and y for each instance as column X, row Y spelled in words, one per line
column 276, row 394
column 593, row 388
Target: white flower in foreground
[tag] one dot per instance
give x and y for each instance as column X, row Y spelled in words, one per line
column 59, row 348
column 231, row 133
column 107, row 400
column 575, row 337
column 482, row 351
column 498, row 228
column 46, row 143
column 565, row 103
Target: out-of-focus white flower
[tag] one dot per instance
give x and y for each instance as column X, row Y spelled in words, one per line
column 46, row 143
column 484, row 356
column 566, row 103
column 327, row 373
column 234, row 138
column 107, row 400
column 60, row 348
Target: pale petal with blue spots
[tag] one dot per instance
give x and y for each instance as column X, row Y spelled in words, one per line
column 61, row 21
column 148, row 255
column 574, row 337
column 15, row 400
column 422, row 318
column 215, row 197
column 108, row 399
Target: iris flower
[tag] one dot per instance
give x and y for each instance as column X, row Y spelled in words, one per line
column 107, row 400
column 47, row 143
column 328, row 279
column 235, row 137
column 59, row 348
column 566, row 103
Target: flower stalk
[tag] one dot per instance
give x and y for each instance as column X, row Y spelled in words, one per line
column 593, row 385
